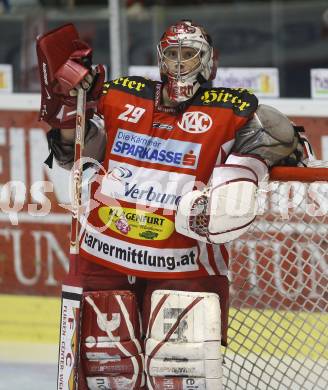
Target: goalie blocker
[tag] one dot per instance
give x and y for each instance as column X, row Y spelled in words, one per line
column 225, row 209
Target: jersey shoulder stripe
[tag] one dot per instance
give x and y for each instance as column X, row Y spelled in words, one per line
column 240, row 100
column 134, row 85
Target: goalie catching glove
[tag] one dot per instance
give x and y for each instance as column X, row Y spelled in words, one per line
column 225, row 209
column 65, row 63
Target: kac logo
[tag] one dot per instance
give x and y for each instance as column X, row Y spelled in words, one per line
column 195, row 122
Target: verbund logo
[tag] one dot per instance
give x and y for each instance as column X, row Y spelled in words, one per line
column 169, row 152
column 150, row 187
column 119, row 173
column 195, row 122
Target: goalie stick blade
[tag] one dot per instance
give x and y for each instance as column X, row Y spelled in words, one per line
column 69, row 347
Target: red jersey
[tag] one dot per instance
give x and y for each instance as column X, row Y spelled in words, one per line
column 154, row 155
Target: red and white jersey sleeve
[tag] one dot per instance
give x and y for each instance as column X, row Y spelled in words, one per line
column 152, row 158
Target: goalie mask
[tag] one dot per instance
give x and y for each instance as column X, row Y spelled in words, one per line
column 186, row 60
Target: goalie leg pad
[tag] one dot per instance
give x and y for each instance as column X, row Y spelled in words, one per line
column 183, row 341
column 111, row 346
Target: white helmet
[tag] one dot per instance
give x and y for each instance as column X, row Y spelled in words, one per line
column 186, row 59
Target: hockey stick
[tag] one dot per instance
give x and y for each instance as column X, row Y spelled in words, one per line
column 71, row 299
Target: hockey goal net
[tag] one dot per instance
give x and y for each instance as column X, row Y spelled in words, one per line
column 278, row 331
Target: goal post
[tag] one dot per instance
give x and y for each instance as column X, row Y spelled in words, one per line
column 306, row 174
column 278, row 333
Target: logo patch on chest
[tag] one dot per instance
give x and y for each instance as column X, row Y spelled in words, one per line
column 136, row 224
column 195, row 122
column 145, row 186
column 170, row 152
column 157, row 125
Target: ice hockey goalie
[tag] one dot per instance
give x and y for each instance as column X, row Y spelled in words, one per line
column 179, row 170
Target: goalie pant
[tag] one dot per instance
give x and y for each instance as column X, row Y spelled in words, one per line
column 94, row 278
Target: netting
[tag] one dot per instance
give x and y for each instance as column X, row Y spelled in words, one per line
column 278, row 333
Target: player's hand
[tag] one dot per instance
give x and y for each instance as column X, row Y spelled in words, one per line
column 85, row 84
